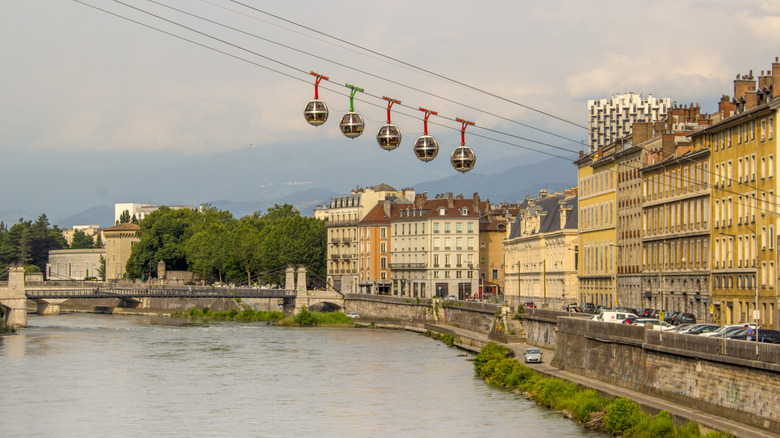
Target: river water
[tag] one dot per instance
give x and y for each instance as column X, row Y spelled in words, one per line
column 83, row 375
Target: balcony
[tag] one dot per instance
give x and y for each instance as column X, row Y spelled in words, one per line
column 335, row 256
column 408, row 265
column 341, row 223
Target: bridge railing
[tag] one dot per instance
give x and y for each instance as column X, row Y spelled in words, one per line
column 177, row 292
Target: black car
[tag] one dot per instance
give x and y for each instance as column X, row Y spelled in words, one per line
column 761, row 335
column 589, row 308
column 686, row 318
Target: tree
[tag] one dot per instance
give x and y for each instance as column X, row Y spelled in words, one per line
column 124, row 218
column 246, row 249
column 101, row 271
column 98, row 241
column 134, row 220
column 81, row 241
column 294, row 241
column 163, row 236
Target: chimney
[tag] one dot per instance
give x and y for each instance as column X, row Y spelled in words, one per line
column 562, row 209
column 476, row 201
column 386, row 207
column 751, row 100
column 659, row 127
column 765, row 80
column 642, row 132
column 667, row 146
column 726, row 107
column 743, row 84
column 776, row 78
column 450, row 200
column 420, row 200
column 542, row 193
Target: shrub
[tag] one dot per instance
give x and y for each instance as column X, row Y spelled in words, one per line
column 622, row 415
column 585, row 403
column 555, row 391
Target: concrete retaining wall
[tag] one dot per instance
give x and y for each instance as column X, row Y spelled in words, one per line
column 477, row 317
column 725, row 378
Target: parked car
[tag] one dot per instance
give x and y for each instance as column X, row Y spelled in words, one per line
column 617, row 317
column 657, row 323
column 353, row 315
column 589, row 308
column 644, row 312
column 698, row 329
column 533, row 355
column 529, row 304
column 686, row 318
column 760, row 335
column 626, row 309
column 727, row 330
column 452, row 297
column 681, row 328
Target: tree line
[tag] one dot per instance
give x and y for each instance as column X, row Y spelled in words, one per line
column 218, row 247
column 28, row 243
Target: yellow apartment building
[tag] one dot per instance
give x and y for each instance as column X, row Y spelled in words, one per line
column 744, row 205
column 596, row 176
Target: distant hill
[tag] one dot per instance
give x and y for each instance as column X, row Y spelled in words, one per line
column 510, row 185
column 101, row 215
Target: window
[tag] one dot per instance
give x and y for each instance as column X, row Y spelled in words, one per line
column 458, row 227
column 447, row 243
column 459, row 243
column 383, row 263
column 435, row 243
column 470, row 227
column 447, row 227
column 383, row 233
column 435, row 260
column 771, row 237
column 470, row 243
column 771, row 164
column 383, row 247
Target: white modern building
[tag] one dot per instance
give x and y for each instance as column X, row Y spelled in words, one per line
column 610, row 119
column 140, row 211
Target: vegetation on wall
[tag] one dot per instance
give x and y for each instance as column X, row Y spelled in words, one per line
column 620, row 416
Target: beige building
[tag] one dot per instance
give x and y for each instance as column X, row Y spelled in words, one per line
column 492, row 232
column 434, row 247
column 119, row 241
column 74, row 264
column 90, row 230
column 343, row 215
column 541, row 251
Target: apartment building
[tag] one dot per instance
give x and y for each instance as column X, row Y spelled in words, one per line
column 492, row 232
column 374, row 248
column 596, row 226
column 541, row 251
column 744, row 211
column 434, row 247
column 611, row 119
column 676, row 221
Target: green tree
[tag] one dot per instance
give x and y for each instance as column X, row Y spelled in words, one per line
column 296, row 241
column 102, row 268
column 163, row 236
column 246, row 249
column 124, row 218
column 98, row 241
column 81, row 241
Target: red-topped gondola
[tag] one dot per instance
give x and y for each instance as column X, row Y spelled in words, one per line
column 389, row 136
column 426, row 147
column 463, row 158
column 316, row 112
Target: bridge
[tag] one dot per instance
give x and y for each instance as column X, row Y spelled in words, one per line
column 49, row 295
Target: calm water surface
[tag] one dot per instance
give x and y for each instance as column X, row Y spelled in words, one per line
column 98, row 376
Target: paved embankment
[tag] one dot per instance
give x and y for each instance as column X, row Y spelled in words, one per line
column 473, row 341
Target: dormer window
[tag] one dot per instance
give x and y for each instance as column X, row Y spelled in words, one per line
column 442, row 211
column 464, row 211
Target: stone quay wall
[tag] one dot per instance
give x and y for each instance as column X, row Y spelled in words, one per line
column 163, row 305
column 720, row 376
column 477, row 317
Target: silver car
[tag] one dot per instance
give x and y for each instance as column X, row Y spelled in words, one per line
column 533, row 355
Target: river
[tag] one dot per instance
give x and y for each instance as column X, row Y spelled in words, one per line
column 84, row 375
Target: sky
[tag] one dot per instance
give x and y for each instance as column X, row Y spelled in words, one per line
column 87, row 93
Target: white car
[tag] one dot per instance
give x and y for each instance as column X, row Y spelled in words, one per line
column 353, row 315
column 533, row 355
column 727, row 330
column 657, row 324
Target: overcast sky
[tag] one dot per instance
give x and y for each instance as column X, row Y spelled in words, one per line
column 77, row 80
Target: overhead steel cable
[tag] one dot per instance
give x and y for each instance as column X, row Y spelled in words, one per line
column 366, row 73
column 463, row 84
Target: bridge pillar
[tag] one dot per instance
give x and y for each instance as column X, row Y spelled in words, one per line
column 289, row 281
column 49, row 306
column 301, row 279
column 14, row 300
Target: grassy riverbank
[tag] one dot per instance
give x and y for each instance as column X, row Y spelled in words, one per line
column 304, row 317
column 619, row 416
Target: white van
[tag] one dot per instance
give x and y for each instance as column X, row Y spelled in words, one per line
column 616, row 317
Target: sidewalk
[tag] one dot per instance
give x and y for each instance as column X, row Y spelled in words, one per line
column 704, row 419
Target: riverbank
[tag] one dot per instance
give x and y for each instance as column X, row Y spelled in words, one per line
column 475, row 341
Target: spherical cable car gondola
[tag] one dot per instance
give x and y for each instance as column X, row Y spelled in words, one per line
column 426, row 147
column 389, row 136
column 352, row 124
column 316, row 112
column 463, row 158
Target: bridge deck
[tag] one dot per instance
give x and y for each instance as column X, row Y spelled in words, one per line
column 168, row 292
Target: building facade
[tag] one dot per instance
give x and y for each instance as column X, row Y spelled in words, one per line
column 74, row 264
column 744, row 204
column 541, row 252
column 119, row 241
column 492, row 232
column 611, row 119
column 597, row 232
